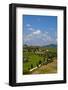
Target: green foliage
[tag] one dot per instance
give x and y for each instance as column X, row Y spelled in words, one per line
column 37, row 65
column 31, row 66
column 33, row 59
column 26, row 72
column 40, row 61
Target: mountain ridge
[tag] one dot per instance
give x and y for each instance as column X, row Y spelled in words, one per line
column 51, row 45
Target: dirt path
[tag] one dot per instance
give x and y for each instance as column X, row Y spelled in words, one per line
column 34, row 68
column 49, row 68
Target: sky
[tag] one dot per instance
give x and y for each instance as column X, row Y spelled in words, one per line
column 39, row 30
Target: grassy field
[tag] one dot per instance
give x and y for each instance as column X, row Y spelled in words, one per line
column 33, row 60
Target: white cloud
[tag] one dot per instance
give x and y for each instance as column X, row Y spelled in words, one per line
column 47, row 32
column 37, row 37
column 37, row 32
column 28, row 25
column 28, row 37
column 32, row 36
column 31, row 29
column 49, row 38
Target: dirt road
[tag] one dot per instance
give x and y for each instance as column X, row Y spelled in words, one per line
column 49, row 68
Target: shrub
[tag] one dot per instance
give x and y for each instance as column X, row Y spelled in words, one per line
column 31, row 65
column 40, row 62
column 28, row 68
column 37, row 65
column 26, row 72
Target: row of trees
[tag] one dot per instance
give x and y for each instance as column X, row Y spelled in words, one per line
column 31, row 49
column 46, row 59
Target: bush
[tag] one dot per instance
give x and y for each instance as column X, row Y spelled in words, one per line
column 25, row 59
column 26, row 72
column 40, row 62
column 31, row 65
column 28, row 68
column 37, row 65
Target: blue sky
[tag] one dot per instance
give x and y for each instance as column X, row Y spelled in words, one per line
column 39, row 30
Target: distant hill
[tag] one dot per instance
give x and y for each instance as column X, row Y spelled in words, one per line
column 48, row 46
column 51, row 46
